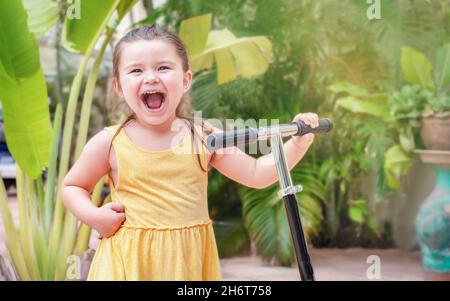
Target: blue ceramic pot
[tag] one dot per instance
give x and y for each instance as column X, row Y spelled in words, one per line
column 433, row 225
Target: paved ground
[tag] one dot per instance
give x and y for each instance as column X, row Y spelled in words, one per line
column 332, row 264
column 329, row 264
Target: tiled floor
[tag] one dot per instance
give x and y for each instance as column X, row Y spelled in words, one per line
column 333, row 264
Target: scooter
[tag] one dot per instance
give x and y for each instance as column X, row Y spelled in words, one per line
column 288, row 190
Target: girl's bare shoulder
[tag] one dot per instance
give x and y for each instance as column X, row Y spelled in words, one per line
column 98, row 148
column 92, row 164
column 100, row 141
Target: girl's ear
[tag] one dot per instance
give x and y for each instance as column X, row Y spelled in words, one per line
column 187, row 81
column 117, row 87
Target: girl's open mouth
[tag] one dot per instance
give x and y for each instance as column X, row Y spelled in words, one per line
column 153, row 100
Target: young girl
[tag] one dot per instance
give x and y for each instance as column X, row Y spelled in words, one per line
column 157, row 226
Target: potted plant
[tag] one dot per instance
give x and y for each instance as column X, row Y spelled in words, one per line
column 434, row 106
column 418, row 113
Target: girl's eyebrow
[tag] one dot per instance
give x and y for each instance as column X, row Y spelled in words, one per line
column 166, row 62
column 159, row 62
column 132, row 65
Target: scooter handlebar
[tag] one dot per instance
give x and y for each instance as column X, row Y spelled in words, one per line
column 250, row 135
column 325, row 125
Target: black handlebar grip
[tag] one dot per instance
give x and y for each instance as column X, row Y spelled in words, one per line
column 231, row 138
column 325, row 125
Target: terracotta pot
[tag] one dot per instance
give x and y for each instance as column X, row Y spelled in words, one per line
column 435, row 133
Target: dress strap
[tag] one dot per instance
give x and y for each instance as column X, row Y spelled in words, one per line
column 111, row 130
column 200, row 146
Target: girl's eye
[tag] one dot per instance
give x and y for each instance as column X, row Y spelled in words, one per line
column 163, row 68
column 135, row 70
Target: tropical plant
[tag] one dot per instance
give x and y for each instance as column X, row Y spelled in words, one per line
column 396, row 160
column 265, row 216
column 44, row 243
column 248, row 56
column 401, row 111
column 404, row 23
column 346, row 210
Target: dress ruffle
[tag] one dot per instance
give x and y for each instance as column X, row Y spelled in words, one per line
column 186, row 253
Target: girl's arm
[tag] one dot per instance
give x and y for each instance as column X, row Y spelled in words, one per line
column 81, row 179
column 261, row 173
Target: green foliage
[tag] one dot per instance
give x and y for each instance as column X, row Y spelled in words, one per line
column 437, row 104
column 194, row 33
column 43, row 244
column 442, row 66
column 231, row 237
column 409, row 103
column 417, row 71
column 342, row 171
column 417, row 24
column 358, row 211
column 23, row 91
column 265, row 216
column 397, row 163
column 402, row 110
column 416, row 68
column 367, row 106
column 78, row 34
column 247, row 56
column 42, row 14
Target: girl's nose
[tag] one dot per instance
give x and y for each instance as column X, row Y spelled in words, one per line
column 151, row 80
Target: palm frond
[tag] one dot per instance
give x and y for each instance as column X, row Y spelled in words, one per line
column 205, row 92
column 231, row 237
column 265, row 215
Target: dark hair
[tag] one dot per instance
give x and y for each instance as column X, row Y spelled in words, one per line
column 184, row 109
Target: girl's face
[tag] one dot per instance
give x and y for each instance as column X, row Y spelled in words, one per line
column 152, row 80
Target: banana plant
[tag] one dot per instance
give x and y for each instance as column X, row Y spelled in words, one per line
column 42, row 15
column 23, row 91
column 247, row 56
column 43, row 242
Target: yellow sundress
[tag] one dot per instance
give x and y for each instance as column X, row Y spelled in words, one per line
column 167, row 233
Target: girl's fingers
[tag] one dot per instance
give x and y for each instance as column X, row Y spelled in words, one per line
column 118, row 207
column 313, row 119
column 310, row 119
column 121, row 216
column 316, row 119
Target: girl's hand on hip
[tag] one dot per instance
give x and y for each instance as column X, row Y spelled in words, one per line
column 310, row 119
column 109, row 218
